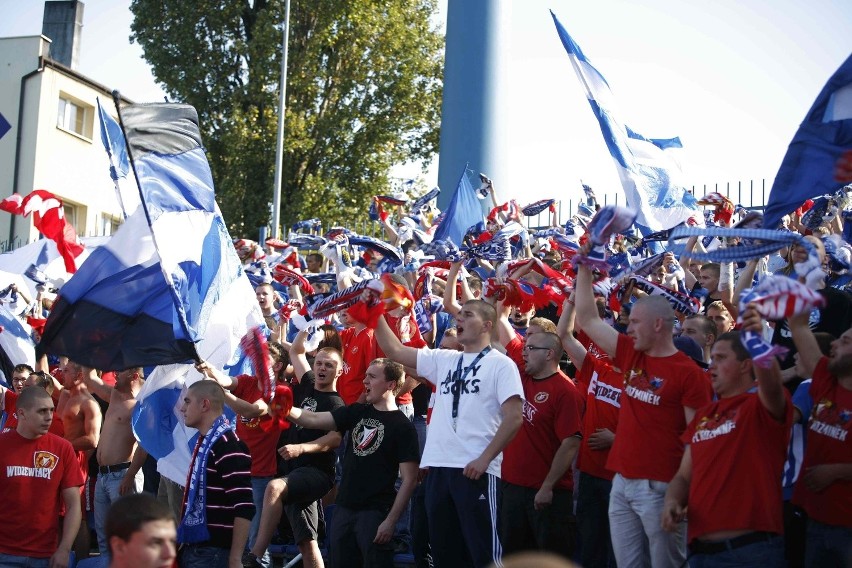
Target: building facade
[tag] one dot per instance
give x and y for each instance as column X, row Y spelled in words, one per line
column 53, row 142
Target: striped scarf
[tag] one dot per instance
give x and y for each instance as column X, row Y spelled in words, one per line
column 775, row 298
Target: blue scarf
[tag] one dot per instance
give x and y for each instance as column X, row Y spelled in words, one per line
column 193, row 524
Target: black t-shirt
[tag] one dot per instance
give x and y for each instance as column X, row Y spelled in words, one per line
column 378, row 442
column 306, row 397
column 420, row 398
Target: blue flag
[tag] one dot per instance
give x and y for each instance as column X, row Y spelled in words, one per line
column 464, row 211
column 808, row 167
column 649, row 176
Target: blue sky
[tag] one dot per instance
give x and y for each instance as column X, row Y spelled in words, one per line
column 732, row 78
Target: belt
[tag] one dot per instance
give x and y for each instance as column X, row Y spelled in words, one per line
column 715, row 547
column 113, row 468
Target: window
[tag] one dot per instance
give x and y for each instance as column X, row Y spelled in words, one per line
column 109, row 225
column 75, row 116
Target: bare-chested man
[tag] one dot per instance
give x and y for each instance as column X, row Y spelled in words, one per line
column 81, row 417
column 120, row 458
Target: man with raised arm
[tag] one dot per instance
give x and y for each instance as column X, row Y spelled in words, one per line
column 382, row 443
column 824, row 488
column 478, row 410
column 734, row 511
column 309, row 459
column 81, row 417
column 120, row 458
column 662, row 389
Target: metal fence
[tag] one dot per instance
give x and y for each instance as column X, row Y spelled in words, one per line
column 751, row 194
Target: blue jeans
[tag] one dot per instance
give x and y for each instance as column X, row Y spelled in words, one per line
column 106, row 493
column 593, row 522
column 203, row 557
column 258, row 488
column 638, row 540
column 23, row 561
column 827, row 545
column 767, row 553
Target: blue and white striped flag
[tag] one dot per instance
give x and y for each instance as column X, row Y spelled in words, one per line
column 649, row 176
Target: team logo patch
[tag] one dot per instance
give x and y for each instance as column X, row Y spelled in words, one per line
column 367, row 436
column 42, row 459
column 541, row 397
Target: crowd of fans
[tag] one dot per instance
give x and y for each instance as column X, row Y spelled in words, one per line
column 576, row 389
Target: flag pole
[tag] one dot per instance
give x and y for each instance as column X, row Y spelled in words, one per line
column 279, row 147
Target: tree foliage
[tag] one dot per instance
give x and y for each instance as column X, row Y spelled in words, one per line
column 363, row 94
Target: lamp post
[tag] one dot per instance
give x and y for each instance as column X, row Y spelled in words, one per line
column 279, row 148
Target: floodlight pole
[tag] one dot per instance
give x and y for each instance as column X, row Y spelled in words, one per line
column 279, row 148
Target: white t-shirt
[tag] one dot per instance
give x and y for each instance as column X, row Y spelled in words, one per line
column 486, row 387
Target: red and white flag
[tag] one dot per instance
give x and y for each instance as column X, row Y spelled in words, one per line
column 49, row 219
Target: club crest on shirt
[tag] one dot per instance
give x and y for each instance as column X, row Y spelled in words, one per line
column 367, row 436
column 541, row 397
column 43, row 459
column 640, row 387
column 829, row 420
column 710, row 427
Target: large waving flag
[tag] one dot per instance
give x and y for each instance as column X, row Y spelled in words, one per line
column 145, row 297
column 464, row 211
column 808, row 167
column 649, row 176
column 167, row 288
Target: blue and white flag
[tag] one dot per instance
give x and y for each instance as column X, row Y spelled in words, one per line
column 808, row 167
column 145, row 297
column 465, row 210
column 649, row 176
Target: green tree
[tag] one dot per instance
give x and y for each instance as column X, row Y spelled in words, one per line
column 363, row 93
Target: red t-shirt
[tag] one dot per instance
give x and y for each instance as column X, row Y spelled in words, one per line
column 829, row 441
column 590, row 345
column 33, row 474
column 406, row 330
column 602, row 385
column 359, row 350
column 259, row 434
column 552, row 410
column 725, row 494
column 651, row 421
column 515, row 352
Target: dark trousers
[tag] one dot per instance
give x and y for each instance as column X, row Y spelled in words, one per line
column 593, row 522
column 522, row 527
column 795, row 530
column 352, row 534
column 462, row 516
column 420, row 528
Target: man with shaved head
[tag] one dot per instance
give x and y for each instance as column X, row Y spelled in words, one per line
column 662, row 389
column 218, row 506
